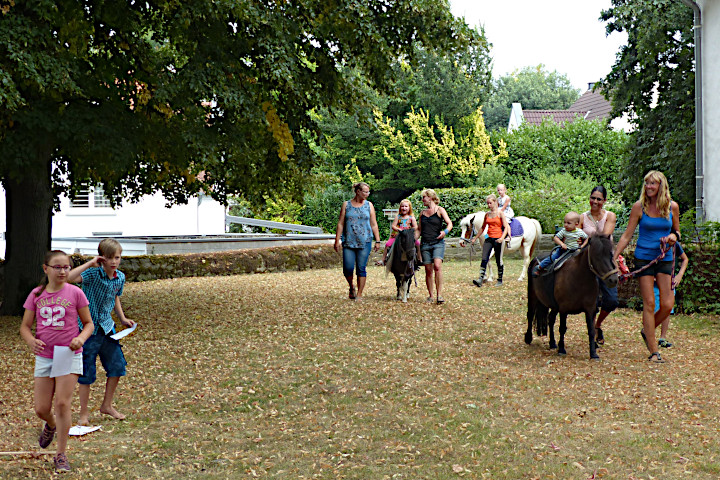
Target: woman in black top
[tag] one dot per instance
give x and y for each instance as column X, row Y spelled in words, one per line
column 432, row 238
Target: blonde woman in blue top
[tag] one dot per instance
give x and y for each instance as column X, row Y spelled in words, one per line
column 658, row 217
column 356, row 228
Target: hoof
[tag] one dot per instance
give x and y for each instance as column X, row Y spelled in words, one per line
column 552, row 346
column 528, row 338
column 562, row 354
column 595, row 358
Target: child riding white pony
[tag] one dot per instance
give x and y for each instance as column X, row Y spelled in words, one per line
column 470, row 225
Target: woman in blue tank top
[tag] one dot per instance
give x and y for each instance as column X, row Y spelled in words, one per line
column 658, row 217
column 355, row 229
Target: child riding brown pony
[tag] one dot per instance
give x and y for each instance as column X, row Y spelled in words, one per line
column 571, row 290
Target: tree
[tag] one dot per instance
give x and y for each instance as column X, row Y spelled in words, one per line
column 180, row 97
column 535, row 88
column 582, row 148
column 449, row 87
column 653, row 81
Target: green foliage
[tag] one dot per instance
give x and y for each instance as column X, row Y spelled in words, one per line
column 653, row 81
column 321, row 208
column 699, row 291
column 448, row 87
column 535, row 88
column 581, row 148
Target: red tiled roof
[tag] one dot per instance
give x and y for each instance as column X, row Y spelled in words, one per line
column 535, row 117
column 594, row 103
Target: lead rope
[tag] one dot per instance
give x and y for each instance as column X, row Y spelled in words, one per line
column 664, row 248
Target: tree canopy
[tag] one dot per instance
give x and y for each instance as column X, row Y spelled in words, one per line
column 653, row 80
column 534, row 87
column 180, row 97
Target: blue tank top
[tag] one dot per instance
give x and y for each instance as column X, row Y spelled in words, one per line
column 652, row 229
column 357, row 232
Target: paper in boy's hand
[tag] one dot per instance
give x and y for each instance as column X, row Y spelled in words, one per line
column 62, row 361
column 79, row 430
column 124, row 333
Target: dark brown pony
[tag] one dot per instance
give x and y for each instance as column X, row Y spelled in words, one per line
column 402, row 262
column 571, row 290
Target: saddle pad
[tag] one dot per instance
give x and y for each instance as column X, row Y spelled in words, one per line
column 516, row 228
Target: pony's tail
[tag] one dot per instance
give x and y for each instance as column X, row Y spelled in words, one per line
column 537, row 313
column 538, row 234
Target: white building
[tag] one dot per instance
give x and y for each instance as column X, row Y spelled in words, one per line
column 90, row 216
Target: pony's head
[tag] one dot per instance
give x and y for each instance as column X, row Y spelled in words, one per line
column 600, row 258
column 405, row 241
column 470, row 224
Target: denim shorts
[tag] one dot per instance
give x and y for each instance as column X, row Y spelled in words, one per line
column 111, row 356
column 43, row 365
column 660, row 267
column 431, row 251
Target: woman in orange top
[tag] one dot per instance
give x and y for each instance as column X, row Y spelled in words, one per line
column 497, row 229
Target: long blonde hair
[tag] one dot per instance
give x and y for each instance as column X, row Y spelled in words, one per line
column 663, row 196
column 410, row 211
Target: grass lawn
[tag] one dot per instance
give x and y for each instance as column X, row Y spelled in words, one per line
column 281, row 376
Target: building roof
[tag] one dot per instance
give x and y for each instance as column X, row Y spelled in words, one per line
column 535, row 117
column 594, row 104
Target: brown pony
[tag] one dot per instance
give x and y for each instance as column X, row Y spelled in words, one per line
column 571, row 290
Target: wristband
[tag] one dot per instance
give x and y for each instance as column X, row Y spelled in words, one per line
column 447, row 230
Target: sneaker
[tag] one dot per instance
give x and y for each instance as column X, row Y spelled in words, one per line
column 46, row 436
column 536, row 271
column 498, row 283
column 61, row 463
column 664, row 343
column 477, row 282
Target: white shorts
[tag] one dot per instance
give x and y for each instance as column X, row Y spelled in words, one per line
column 43, row 365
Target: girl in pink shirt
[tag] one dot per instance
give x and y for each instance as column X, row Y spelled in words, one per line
column 54, row 308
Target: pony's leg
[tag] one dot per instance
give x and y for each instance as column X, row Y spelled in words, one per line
column 551, row 330
column 405, row 286
column 532, row 309
column 526, row 246
column 562, row 330
column 590, row 320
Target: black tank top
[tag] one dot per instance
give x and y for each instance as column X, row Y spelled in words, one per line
column 430, row 227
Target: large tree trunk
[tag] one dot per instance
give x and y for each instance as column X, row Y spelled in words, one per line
column 29, row 203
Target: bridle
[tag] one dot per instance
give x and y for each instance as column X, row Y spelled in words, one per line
column 594, row 270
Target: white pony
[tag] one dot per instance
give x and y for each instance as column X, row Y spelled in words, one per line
column 528, row 241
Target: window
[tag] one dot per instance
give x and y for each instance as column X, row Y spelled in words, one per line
column 90, row 197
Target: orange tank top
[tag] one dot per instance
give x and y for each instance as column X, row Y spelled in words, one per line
column 495, row 227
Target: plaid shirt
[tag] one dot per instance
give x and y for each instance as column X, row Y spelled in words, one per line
column 101, row 292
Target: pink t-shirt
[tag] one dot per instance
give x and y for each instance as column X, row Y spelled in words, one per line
column 56, row 314
column 591, row 226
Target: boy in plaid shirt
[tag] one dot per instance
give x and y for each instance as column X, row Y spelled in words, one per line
column 103, row 284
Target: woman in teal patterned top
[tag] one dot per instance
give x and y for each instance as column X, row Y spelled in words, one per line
column 356, row 228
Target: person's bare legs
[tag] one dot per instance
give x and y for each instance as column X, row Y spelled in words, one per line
column 64, row 387
column 429, row 282
column 437, row 268
column 107, row 404
column 667, row 301
column 84, row 394
column 648, row 296
column 44, row 390
column 361, row 286
column 601, row 316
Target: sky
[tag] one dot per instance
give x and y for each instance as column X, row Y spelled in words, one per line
column 563, row 35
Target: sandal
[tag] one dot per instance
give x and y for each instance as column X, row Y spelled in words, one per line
column 440, row 300
column 664, row 343
column 351, row 293
column 599, row 336
column 642, row 334
column 429, row 300
column 655, row 358
column 380, row 263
